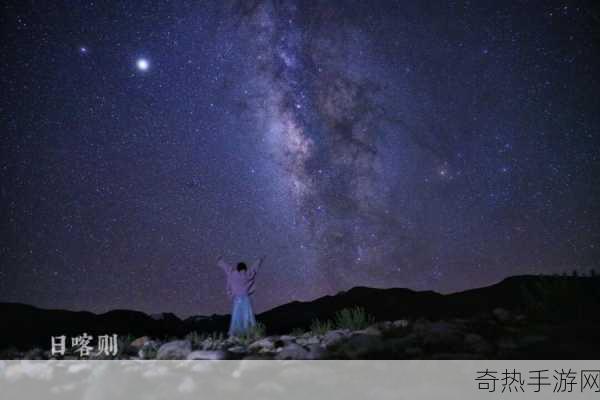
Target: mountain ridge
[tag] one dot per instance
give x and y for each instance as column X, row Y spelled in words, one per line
column 545, row 296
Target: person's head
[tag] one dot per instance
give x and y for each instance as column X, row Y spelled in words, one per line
column 241, row 267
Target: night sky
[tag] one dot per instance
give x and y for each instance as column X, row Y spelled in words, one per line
column 428, row 145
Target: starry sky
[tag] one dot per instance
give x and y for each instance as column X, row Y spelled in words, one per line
column 433, row 145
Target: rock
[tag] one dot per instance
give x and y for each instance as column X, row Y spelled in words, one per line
column 237, row 349
column 421, row 325
column 506, row 343
column 259, row 356
column 175, row 350
column 400, row 344
column 308, row 341
column 148, row 350
column 360, row 345
column 232, row 340
column 385, row 326
column 400, row 323
column 34, row 354
column 477, row 344
column 512, row 329
column 287, row 338
column 461, row 324
column 206, row 355
column 125, row 350
column 441, row 334
column 371, row 330
column 502, row 314
column 292, row 351
column 262, row 344
column 315, row 352
column 215, row 343
column 532, row 340
column 413, row 351
column 334, row 336
column 10, row 353
column 454, row 356
column 139, row 342
column 207, row 344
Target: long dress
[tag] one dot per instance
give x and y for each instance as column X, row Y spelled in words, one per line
column 240, row 285
column 242, row 316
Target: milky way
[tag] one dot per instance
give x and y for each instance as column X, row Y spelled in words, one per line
column 321, row 116
column 435, row 146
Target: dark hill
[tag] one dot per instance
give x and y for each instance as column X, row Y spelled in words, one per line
column 551, row 298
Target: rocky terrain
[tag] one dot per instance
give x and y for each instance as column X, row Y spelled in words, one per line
column 519, row 318
column 500, row 335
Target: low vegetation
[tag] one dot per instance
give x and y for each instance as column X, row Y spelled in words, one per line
column 258, row 331
column 355, row 318
column 319, row 327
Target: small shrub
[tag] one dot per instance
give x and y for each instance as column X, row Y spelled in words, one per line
column 150, row 353
column 217, row 336
column 353, row 318
column 10, row 353
column 259, row 330
column 320, row 327
column 297, row 332
column 256, row 332
column 124, row 347
column 206, row 341
column 195, row 339
column 553, row 299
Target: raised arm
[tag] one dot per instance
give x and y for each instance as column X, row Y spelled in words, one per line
column 223, row 265
column 257, row 264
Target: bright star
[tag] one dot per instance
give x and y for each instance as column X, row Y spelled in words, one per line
column 142, row 64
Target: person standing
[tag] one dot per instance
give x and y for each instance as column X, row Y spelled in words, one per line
column 240, row 286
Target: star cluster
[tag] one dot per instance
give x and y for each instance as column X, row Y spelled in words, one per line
column 428, row 145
